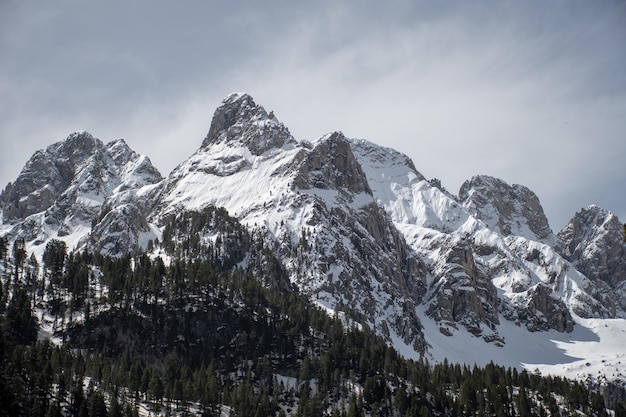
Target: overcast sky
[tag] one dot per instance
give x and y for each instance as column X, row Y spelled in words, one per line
column 533, row 92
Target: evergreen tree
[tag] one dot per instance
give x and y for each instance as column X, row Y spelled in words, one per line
column 97, row 407
column 21, row 324
column 4, row 246
column 19, row 255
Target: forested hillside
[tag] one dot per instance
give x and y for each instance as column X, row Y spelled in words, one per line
column 206, row 322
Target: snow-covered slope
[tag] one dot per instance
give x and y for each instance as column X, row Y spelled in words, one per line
column 474, row 277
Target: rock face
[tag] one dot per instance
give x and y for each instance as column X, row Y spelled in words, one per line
column 74, row 185
column 241, row 120
column 351, row 224
column 464, row 294
column 593, row 241
column 331, row 165
column 508, row 209
column 48, row 174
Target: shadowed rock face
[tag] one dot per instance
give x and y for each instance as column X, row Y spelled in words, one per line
column 46, row 175
column 466, row 295
column 331, row 165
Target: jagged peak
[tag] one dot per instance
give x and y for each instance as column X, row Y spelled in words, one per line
column 594, row 209
column 509, row 209
column 331, row 164
column 593, row 216
column 240, row 119
column 334, row 135
column 120, row 151
column 79, row 142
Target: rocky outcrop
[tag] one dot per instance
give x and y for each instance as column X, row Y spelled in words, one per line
column 331, row 165
column 593, row 241
column 46, row 176
column 464, row 294
column 508, row 209
column 538, row 310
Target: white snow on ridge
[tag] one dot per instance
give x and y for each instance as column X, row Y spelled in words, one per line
column 232, row 178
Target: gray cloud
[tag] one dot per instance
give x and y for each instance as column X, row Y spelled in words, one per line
column 533, row 92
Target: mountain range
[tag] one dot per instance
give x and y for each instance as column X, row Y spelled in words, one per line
column 475, row 277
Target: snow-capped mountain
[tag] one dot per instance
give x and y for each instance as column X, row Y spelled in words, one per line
column 80, row 188
column 313, row 202
column 476, row 277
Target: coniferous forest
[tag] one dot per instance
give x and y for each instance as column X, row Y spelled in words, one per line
column 205, row 322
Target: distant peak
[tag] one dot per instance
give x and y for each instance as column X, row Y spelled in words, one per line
column 593, row 214
column 79, row 134
column 77, row 142
column 236, row 108
column 235, row 97
column 509, row 209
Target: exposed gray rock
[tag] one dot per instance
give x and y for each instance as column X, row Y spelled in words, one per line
column 240, row 119
column 538, row 310
column 63, row 189
column 464, row 294
column 331, row 165
column 593, row 240
column 508, row 209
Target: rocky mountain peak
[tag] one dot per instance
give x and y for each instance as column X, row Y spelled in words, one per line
column 63, row 189
column 76, row 147
column 508, row 209
column 593, row 240
column 46, row 175
column 120, row 151
column 240, row 120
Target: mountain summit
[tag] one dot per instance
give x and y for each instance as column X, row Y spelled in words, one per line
column 240, row 119
column 351, row 225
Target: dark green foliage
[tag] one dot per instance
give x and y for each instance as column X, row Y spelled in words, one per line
column 20, row 324
column 19, row 255
column 54, row 258
column 4, row 244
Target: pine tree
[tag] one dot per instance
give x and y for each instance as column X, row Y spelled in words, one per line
column 19, row 255
column 20, row 321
